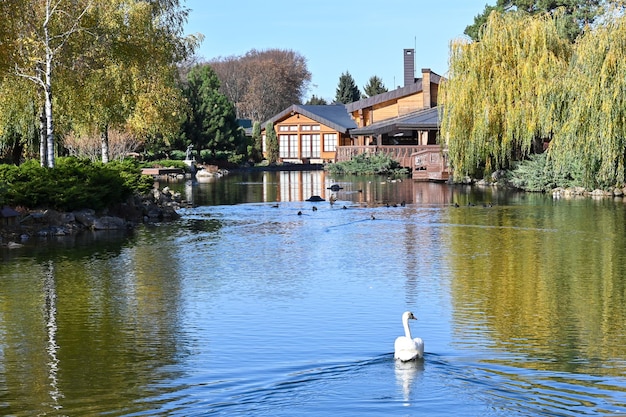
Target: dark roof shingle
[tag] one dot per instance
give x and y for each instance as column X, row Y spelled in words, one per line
column 422, row 119
column 335, row 115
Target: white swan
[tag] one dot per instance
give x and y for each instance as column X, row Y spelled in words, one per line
column 406, row 348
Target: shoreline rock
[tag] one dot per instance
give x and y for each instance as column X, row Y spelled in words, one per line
column 157, row 206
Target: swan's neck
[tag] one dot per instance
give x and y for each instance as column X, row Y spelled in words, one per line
column 407, row 329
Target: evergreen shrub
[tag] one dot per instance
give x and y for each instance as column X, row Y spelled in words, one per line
column 73, row 184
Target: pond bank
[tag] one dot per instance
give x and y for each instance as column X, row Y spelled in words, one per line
column 156, row 206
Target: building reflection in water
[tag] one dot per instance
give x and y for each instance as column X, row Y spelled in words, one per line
column 296, row 186
column 301, row 185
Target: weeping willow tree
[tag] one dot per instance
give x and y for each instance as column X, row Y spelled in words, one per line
column 500, row 93
column 592, row 120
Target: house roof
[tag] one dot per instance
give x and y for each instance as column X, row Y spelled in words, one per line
column 422, row 119
column 7, row 211
column 384, row 97
column 334, row 116
column 407, row 90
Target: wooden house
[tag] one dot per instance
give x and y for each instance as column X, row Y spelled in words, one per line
column 311, row 133
column 397, row 116
column 403, row 123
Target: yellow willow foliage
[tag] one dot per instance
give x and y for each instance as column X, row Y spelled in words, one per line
column 497, row 99
column 593, row 127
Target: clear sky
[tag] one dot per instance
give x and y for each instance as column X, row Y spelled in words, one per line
column 363, row 37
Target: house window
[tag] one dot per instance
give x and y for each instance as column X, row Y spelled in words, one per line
column 310, row 146
column 293, row 128
column 264, row 144
column 330, row 142
column 305, row 128
column 283, row 128
column 306, row 146
column 315, row 127
column 288, row 146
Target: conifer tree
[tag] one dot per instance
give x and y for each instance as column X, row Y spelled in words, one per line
column 212, row 124
column 374, row 86
column 314, row 100
column 271, row 144
column 257, row 142
column 347, row 91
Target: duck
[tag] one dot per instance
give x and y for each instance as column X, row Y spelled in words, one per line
column 406, row 348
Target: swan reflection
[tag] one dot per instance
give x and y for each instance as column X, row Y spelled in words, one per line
column 406, row 373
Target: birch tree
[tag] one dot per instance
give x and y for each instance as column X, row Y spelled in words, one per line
column 44, row 30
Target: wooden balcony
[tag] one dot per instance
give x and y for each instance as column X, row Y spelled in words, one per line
column 427, row 162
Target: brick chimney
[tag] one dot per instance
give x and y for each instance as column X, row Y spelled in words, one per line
column 409, row 67
column 426, row 88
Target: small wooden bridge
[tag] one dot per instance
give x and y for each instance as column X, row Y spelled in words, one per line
column 427, row 162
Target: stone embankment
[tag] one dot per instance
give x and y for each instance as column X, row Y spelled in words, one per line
column 157, row 206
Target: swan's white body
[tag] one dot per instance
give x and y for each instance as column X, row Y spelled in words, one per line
column 406, row 348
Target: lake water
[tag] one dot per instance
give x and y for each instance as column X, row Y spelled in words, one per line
column 245, row 307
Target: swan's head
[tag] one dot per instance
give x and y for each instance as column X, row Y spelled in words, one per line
column 408, row 316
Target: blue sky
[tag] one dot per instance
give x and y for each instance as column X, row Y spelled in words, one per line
column 362, row 37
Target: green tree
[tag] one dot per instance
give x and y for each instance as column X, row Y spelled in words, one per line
column 498, row 101
column 347, row 91
column 271, row 143
column 374, row 86
column 20, row 109
column 316, row 101
column 130, row 78
column 591, row 118
column 573, row 14
column 211, row 124
column 44, row 29
column 257, row 142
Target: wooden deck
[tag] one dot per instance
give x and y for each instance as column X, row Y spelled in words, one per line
column 427, row 162
column 157, row 172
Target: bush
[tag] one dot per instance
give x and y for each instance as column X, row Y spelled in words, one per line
column 537, row 173
column 73, row 184
column 368, row 164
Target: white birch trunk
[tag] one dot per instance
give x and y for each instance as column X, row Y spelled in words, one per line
column 48, row 90
column 104, row 141
column 42, row 138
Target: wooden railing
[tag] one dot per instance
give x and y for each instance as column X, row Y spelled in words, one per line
column 431, row 164
column 427, row 162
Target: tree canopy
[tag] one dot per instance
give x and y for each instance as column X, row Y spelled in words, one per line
column 374, row 86
column 347, row 91
column 315, row 100
column 496, row 102
column 574, row 14
column 212, row 122
column 93, row 64
column 263, row 83
column 524, row 85
column 590, row 121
